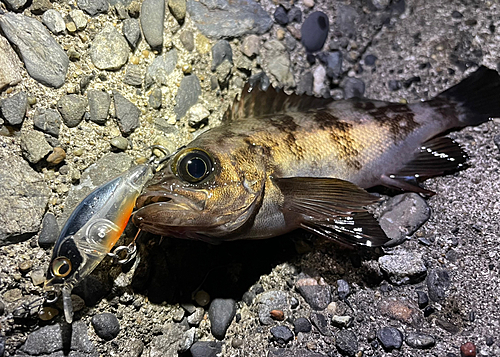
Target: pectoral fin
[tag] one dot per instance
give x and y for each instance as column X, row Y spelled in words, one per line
column 332, row 208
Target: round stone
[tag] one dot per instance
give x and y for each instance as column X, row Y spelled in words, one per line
column 109, row 49
column 314, row 31
column 106, row 326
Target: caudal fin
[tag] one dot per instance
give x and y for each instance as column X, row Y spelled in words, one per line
column 477, row 97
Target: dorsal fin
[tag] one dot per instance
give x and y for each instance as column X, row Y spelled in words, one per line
column 254, row 102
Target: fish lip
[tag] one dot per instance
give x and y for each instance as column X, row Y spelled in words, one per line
column 166, row 200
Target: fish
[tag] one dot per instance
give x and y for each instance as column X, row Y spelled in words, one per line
column 282, row 162
column 91, row 231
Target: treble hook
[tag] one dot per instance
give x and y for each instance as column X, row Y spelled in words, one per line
column 130, row 251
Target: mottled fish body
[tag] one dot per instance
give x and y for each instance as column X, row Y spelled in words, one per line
column 282, row 162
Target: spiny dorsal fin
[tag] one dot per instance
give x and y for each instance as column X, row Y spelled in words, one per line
column 254, row 102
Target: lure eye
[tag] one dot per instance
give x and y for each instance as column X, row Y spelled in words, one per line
column 194, row 166
column 61, row 267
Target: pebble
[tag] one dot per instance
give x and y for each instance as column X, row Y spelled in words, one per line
column 161, row 67
column 278, row 63
column 119, row 142
column 221, row 52
column 187, row 340
column 302, row 324
column 47, row 313
column 14, row 108
column 280, row 15
column 49, row 231
column 43, row 57
column 343, row 289
column 10, row 66
column 277, row 315
column 25, row 266
column 468, row 349
column 106, row 325
column 54, row 21
column 370, row 60
column 422, row 299
column 333, row 62
column 72, row 108
column 420, row 340
column 79, row 19
column 206, row 349
column 221, row 313
column 38, row 277
column 456, row 14
column 250, row 46
column 230, row 19
column 305, row 85
column 489, row 340
column 403, row 267
column 152, row 17
column 99, row 102
column 402, row 310
column 57, row 156
column 47, row 120
column 127, row 114
column 342, row 321
column 281, row 334
column 314, row 31
column 390, row 338
column 271, row 300
column 34, row 146
column 196, row 317
column 319, row 77
column 155, row 98
column 308, row 3
column 187, row 40
column 347, row 342
column 317, row 296
column 196, row 114
column 93, row 7
column 178, row 314
column 354, row 88
column 132, row 31
column 187, row 95
column 295, row 14
column 438, row 281
column 178, row 9
column 133, row 75
column 394, row 85
column 346, row 20
column 109, row 49
column 403, row 215
column 496, row 141
column 15, row 5
column 321, row 323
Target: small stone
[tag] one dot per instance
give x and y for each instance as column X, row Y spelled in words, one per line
column 206, row 349
column 133, row 76
column 333, row 62
column 99, row 102
column 468, row 350
column 196, row 317
column 14, row 108
column 161, row 68
column 106, row 326
column 394, row 85
column 302, row 325
column 109, row 49
column 271, row 300
column 237, row 343
column 343, row 289
column 420, row 340
column 178, row 314
column 402, row 310
column 438, row 281
column 489, row 340
column 314, row 31
column 132, row 31
column 25, row 267
column 281, row 334
column 456, row 14
column 321, row 323
column 127, row 114
column 15, row 5
column 178, row 9
column 34, row 146
column 403, row 268
column 342, row 321
column 79, row 19
column 12, row 295
column 280, row 16
column 423, row 299
column 57, row 156
column 187, row 339
column 119, row 142
column 221, row 313
column 347, row 342
column 187, row 40
column 305, row 85
column 93, row 7
column 221, row 51
column 202, row 298
column 54, row 21
column 47, row 313
column 37, row 277
column 308, row 3
column 121, row 11
column 155, row 98
column 496, row 141
column 390, row 338
column 187, row 95
column 370, row 60
column 71, row 27
column 319, row 76
column 354, row 88
column 295, row 14
column 277, row 315
column 49, row 231
column 317, row 296
column 250, row 46
column 152, row 17
column 72, row 108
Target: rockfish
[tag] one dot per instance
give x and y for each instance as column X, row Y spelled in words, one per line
column 280, row 162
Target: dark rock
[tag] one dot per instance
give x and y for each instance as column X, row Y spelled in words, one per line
column 187, row 95
column 468, row 349
column 47, row 120
column 448, row 326
column 280, row 15
column 390, row 338
column 370, row 60
column 343, row 289
column 403, row 268
column 428, row 311
column 321, row 323
column 206, row 349
column 155, row 98
column 93, row 7
column 489, row 340
column 456, row 14
column 354, row 88
column 152, row 17
column 423, row 299
column 72, row 108
column 305, row 85
column 229, row 19
column 438, row 281
column 109, row 49
column 261, row 80
column 43, row 57
column 127, row 114
column 317, row 296
column 34, row 146
column 106, row 326
column 295, row 14
column 49, row 232
column 420, row 340
column 496, row 140
column 178, row 9
column 161, row 68
column 221, row 51
column 133, row 76
column 333, row 63
column 132, row 31
column 187, row 40
column 346, row 342
column 221, row 313
column 282, row 334
column 2, row 345
column 314, row 31
column 394, row 85
column 99, row 102
column 302, row 325
column 14, row 108
column 91, row 290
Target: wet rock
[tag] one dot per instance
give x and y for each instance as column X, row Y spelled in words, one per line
column 302, row 325
column 34, row 146
column 321, row 323
column 251, row 45
column 347, row 343
column 403, row 268
column 43, row 57
column 10, row 67
column 468, row 350
column 403, row 215
column 72, row 108
column 133, row 76
column 109, row 49
column 278, row 63
column 343, row 289
column 47, row 120
column 354, row 88
column 178, row 9
column 187, row 95
column 187, row 40
column 281, row 334
column 206, row 349
column 280, row 16
column 221, row 52
column 99, row 102
column 152, row 17
column 93, row 7
column 271, row 300
column 228, row 19
column 79, row 19
column 54, row 21
column 423, row 299
column 49, row 231
column 160, row 69
column 314, row 31
column 390, row 338
column 14, row 108
column 420, row 340
column 438, row 282
column 106, row 326
column 317, row 296
column 132, row 31
column 402, row 310
column 127, row 114
column 155, row 98
column 57, row 156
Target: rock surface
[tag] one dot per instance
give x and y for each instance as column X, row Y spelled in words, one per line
column 109, row 49
column 9, row 65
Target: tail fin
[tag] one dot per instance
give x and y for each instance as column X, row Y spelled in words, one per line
column 477, row 97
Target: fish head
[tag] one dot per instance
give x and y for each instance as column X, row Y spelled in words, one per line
column 203, row 192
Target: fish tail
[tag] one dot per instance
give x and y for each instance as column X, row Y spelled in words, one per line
column 476, row 98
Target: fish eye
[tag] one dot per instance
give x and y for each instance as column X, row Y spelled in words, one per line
column 194, row 166
column 61, row 267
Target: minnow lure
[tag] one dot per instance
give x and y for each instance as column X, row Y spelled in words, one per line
column 91, row 232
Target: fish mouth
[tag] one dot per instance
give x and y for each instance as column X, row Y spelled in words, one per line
column 169, row 201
